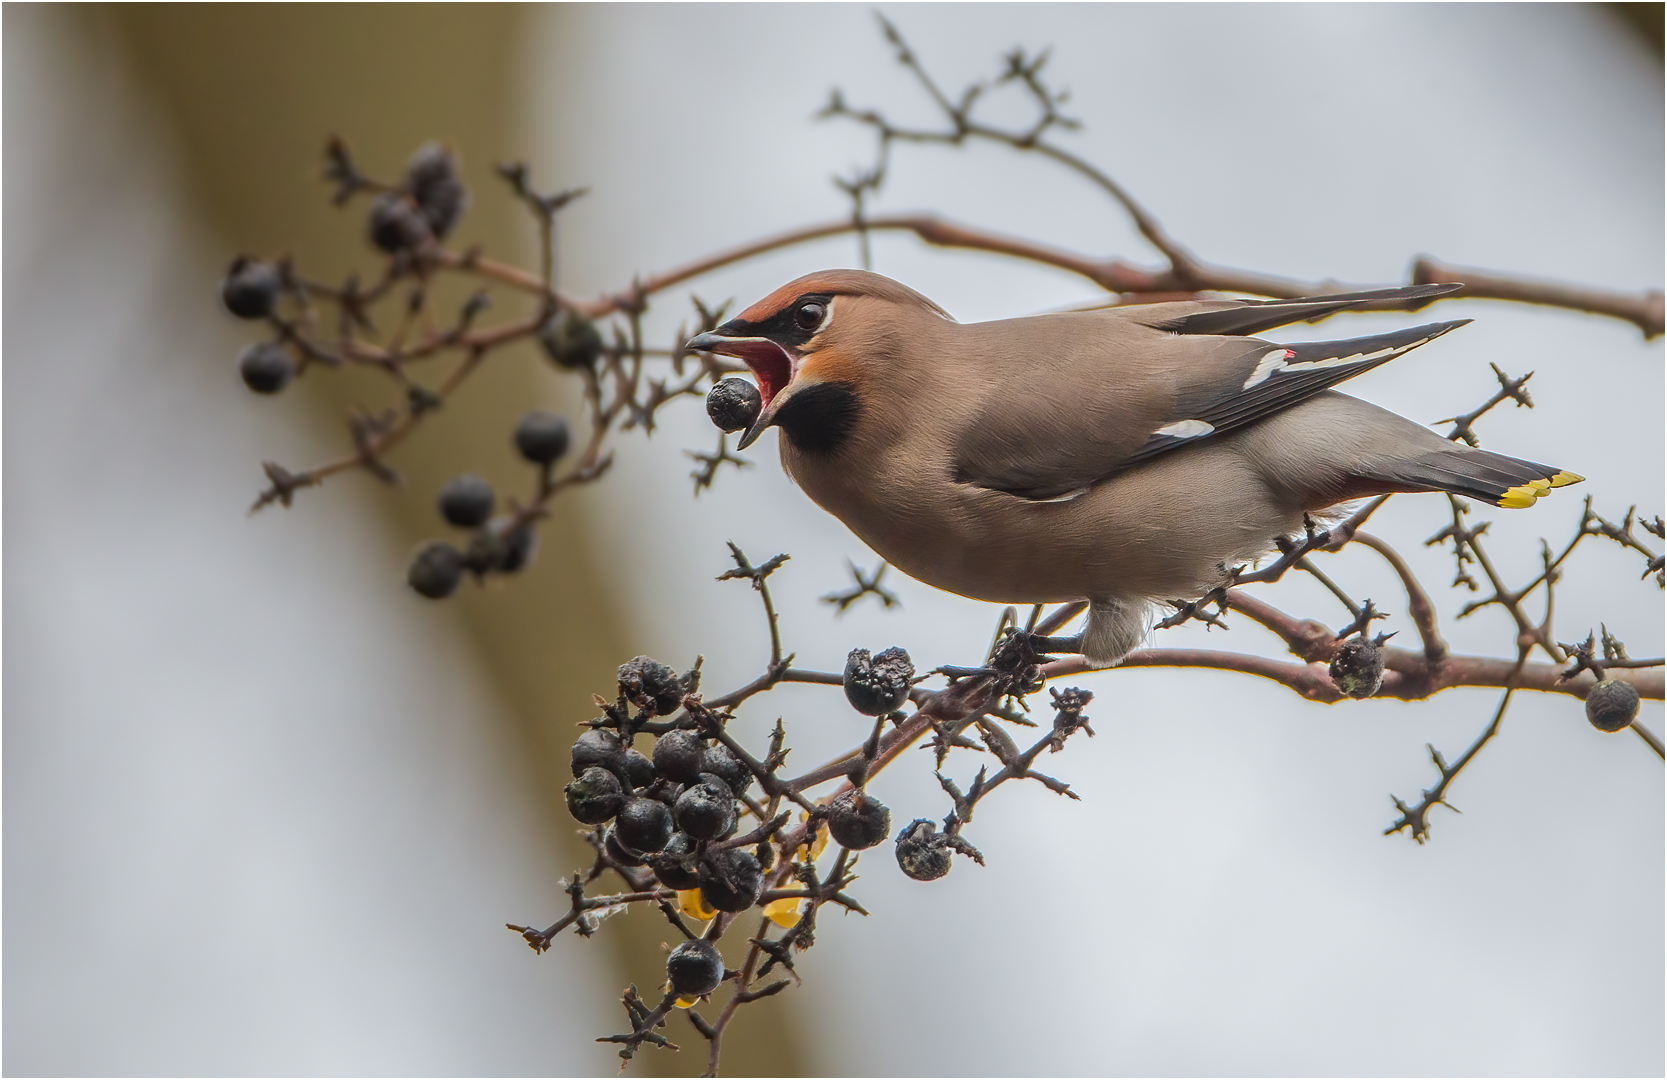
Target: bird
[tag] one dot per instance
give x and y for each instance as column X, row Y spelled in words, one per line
column 1127, row 456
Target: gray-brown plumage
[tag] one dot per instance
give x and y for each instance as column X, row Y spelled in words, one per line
column 1124, row 456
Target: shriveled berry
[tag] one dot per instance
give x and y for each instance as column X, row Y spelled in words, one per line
column 730, row 880
column 878, row 684
column 718, row 761
column 266, row 368
column 571, row 340
column 674, row 865
column 733, row 404
column 706, row 810
column 1611, row 705
column 695, row 968
column 598, row 746
column 638, row 769
column 396, row 224
column 923, row 852
column 618, row 852
column 858, row 820
column 520, row 544
column 502, row 547
column 644, row 825
column 251, row 288
column 677, row 755
column 650, row 685
column 1357, row 669
column 542, row 437
column 466, row 501
column 436, row 570
column 595, row 796
column 432, row 180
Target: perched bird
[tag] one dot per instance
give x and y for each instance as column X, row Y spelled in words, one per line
column 1124, row 456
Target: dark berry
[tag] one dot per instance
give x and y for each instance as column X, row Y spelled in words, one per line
column 1357, row 669
column 706, row 810
column 436, row 570
column 595, row 796
column 879, row 684
column 730, row 880
column 542, row 437
column 466, row 501
column 502, row 547
column 619, row 853
column 695, row 968
column 677, row 755
column 571, row 340
column 644, row 824
column 251, row 288
column 266, row 368
column 638, row 769
column 922, row 851
column 598, row 746
column 718, row 761
column 674, row 865
column 733, row 404
column 396, row 224
column 1611, row 704
column 432, row 180
column 650, row 686
column 858, row 820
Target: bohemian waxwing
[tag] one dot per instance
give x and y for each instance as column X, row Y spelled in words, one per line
column 1125, row 456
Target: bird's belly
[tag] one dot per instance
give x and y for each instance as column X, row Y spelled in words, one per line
column 1129, row 537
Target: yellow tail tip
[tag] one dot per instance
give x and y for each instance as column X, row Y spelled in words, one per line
column 1519, row 497
column 1565, row 478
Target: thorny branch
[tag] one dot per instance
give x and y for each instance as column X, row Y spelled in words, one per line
column 429, row 355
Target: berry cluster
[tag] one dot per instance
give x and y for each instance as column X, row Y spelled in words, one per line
column 497, row 545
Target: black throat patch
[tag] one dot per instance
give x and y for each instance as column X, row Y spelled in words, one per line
column 819, row 417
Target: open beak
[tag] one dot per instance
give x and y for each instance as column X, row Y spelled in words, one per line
column 771, row 364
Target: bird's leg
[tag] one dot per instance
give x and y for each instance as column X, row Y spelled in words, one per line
column 1051, row 646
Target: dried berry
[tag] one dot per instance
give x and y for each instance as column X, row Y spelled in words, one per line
column 396, row 224
column 650, row 686
column 718, row 761
column 730, row 880
column 251, row 288
column 595, row 796
column 1357, row 669
column 644, row 825
column 677, row 755
column 638, row 769
column 466, row 501
column 922, row 851
column 619, row 853
column 436, row 570
column 733, row 404
column 706, row 810
column 571, row 340
column 431, row 177
column 266, row 368
column 695, row 968
column 1611, row 705
column 858, row 820
column 674, row 864
column 879, row 684
column 542, row 437
column 502, row 547
column 598, row 746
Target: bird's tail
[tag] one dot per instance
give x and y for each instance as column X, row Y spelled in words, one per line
column 1479, row 474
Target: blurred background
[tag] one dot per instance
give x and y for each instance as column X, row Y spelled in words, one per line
column 266, row 812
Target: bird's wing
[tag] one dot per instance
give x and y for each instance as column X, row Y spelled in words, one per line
column 1238, row 317
column 1099, row 411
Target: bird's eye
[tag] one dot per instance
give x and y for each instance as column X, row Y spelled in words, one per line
column 810, row 315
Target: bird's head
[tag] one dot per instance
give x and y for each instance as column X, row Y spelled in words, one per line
column 817, row 346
